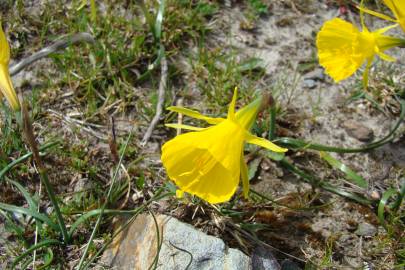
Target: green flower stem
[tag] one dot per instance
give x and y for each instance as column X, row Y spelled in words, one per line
column 24, row 120
column 301, row 144
column 272, row 124
column 315, row 182
column 44, row 178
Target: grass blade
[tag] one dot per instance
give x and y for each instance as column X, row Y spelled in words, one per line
column 159, row 20
column 381, row 206
column 29, row 212
column 47, row 260
column 350, row 174
column 96, row 226
column 42, row 244
column 30, row 200
column 326, row 186
column 24, row 158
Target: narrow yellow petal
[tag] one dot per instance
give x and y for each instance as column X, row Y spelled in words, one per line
column 195, row 114
column 385, row 29
column 245, row 177
column 386, row 57
column 376, row 14
column 231, row 109
column 247, row 115
column 252, row 139
column 181, row 126
column 398, row 8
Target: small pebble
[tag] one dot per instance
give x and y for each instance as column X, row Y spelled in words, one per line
column 317, row 74
column 366, row 229
column 358, row 131
column 375, row 195
column 309, row 83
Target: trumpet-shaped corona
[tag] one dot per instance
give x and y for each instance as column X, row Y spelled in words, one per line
column 209, row 162
column 6, row 86
column 342, row 48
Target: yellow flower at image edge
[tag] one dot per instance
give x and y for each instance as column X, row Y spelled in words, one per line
column 6, row 86
column 342, row 48
column 396, row 6
column 209, row 162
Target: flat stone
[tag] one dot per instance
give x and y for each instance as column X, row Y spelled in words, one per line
column 317, row 74
column 309, row 83
column 289, row 265
column 366, row 229
column 263, row 259
column 136, row 247
column 358, row 131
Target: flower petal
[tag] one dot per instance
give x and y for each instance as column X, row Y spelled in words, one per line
column 181, row 126
column 376, row 14
column 195, row 114
column 6, row 86
column 246, row 116
column 231, row 109
column 245, row 177
column 335, row 49
column 250, row 138
column 4, row 48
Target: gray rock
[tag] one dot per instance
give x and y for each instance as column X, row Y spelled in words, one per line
column 181, row 246
column 263, row 259
column 358, row 131
column 317, row 74
column 353, row 262
column 289, row 265
column 366, row 229
column 309, row 83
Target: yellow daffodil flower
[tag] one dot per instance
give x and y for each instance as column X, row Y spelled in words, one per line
column 6, row 86
column 342, row 48
column 398, row 9
column 209, row 162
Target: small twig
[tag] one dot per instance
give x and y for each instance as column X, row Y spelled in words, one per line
column 161, row 101
column 58, row 45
